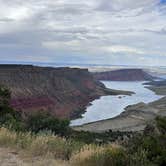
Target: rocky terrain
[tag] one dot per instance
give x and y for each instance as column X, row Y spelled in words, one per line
column 135, row 118
column 124, row 75
column 64, row 92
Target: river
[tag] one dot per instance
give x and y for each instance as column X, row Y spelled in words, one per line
column 110, row 106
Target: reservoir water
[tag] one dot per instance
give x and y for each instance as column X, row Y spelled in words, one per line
column 110, row 106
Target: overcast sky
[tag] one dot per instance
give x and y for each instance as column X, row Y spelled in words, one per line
column 117, row 32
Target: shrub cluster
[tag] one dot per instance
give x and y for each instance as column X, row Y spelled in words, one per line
column 43, row 121
column 149, row 148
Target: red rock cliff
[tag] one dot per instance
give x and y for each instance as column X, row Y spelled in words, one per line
column 124, row 75
column 62, row 91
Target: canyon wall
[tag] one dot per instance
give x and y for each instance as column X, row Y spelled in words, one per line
column 124, row 75
column 64, row 92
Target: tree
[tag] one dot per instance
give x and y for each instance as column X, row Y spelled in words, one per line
column 8, row 116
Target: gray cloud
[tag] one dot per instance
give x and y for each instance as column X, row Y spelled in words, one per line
column 96, row 31
column 118, row 5
column 6, row 20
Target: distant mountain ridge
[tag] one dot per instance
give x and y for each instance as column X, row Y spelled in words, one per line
column 124, row 75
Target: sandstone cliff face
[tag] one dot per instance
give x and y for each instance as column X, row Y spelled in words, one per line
column 124, row 75
column 61, row 91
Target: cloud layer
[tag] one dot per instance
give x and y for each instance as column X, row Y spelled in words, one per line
column 94, row 31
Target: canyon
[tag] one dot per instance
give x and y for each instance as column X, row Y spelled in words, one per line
column 64, row 92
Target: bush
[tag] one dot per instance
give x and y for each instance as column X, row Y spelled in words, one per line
column 100, row 156
column 43, row 121
column 4, row 96
column 8, row 116
column 150, row 147
column 161, row 124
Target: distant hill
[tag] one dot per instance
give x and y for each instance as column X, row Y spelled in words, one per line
column 156, row 83
column 124, row 75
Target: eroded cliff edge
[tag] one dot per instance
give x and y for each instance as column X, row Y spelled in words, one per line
column 64, row 92
column 124, row 75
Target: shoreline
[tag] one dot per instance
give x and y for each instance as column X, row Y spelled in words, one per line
column 134, row 118
column 108, row 92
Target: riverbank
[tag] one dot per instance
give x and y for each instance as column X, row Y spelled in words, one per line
column 134, row 118
column 107, row 92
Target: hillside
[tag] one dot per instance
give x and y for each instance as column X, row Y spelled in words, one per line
column 124, row 75
column 156, row 83
column 159, row 87
column 65, row 92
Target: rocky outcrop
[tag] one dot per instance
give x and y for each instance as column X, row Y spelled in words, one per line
column 124, row 75
column 156, row 83
column 62, row 91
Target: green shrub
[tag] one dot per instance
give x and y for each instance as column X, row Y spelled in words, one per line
column 138, row 158
column 4, row 96
column 8, row 116
column 149, row 148
column 43, row 121
column 161, row 124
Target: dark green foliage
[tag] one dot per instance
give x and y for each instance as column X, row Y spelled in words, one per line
column 44, row 121
column 4, row 96
column 8, row 116
column 98, row 138
column 161, row 124
column 149, row 148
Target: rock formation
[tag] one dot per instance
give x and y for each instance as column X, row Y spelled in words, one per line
column 65, row 92
column 124, row 75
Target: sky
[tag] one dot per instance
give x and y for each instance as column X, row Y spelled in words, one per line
column 113, row 32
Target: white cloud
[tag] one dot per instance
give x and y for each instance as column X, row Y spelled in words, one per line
column 94, row 29
column 123, row 49
column 62, row 45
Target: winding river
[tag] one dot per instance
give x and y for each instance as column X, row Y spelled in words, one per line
column 110, row 106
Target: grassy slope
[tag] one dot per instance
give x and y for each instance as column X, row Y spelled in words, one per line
column 26, row 149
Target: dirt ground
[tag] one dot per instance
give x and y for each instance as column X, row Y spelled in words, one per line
column 10, row 157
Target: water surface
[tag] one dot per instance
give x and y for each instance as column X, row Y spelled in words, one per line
column 110, row 106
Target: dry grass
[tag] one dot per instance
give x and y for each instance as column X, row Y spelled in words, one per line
column 10, row 157
column 86, row 152
column 38, row 145
column 25, row 149
column 99, row 156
